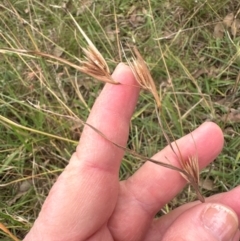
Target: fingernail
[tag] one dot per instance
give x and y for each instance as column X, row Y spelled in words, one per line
column 220, row 221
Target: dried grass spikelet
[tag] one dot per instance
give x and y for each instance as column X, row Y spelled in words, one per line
column 94, row 63
column 190, row 172
column 189, row 168
column 142, row 74
column 192, row 168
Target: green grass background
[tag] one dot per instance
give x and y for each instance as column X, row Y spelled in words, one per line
column 197, row 76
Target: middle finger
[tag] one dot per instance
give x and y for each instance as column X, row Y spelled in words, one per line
column 152, row 186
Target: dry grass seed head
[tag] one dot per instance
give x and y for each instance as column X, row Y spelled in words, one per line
column 189, row 168
column 95, row 65
column 142, row 74
column 190, row 165
column 192, row 168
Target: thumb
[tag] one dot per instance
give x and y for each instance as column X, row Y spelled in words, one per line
column 207, row 221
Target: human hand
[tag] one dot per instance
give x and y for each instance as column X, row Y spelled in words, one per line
column 89, row 203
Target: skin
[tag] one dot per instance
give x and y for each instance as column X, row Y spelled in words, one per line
column 89, row 203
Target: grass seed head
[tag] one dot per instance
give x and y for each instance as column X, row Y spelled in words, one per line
column 96, row 66
column 192, row 168
column 94, row 63
column 142, row 74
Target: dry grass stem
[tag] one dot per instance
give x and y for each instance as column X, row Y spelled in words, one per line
column 142, row 74
column 92, row 66
column 7, row 232
column 189, row 170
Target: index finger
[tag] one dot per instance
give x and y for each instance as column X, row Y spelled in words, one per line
column 110, row 115
column 85, row 194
